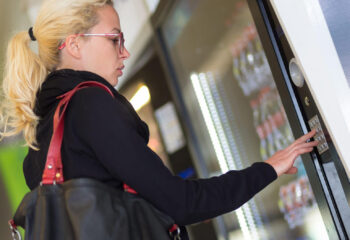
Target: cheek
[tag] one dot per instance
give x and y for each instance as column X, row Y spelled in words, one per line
column 107, row 67
column 107, row 57
column 91, row 58
column 102, row 62
column 101, row 59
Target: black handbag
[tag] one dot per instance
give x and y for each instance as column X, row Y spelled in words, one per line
column 84, row 208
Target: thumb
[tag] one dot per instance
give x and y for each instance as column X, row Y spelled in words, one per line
column 292, row 170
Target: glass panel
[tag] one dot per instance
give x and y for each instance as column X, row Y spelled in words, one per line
column 146, row 112
column 237, row 114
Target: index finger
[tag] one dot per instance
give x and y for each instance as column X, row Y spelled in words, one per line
column 307, row 136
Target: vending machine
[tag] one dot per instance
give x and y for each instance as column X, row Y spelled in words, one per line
column 309, row 50
column 250, row 76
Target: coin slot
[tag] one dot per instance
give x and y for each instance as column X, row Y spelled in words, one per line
column 295, row 73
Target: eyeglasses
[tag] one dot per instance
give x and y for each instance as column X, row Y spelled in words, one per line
column 118, row 39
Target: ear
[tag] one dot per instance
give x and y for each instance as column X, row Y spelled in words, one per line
column 73, row 46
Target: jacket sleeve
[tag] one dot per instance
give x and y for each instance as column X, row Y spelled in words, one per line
column 121, row 150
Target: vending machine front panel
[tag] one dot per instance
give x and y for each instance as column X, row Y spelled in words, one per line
column 304, row 103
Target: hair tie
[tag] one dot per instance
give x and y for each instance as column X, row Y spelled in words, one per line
column 31, row 34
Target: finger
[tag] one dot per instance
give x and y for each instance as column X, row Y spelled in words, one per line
column 306, row 136
column 310, row 144
column 300, row 140
column 292, row 170
column 291, row 147
column 296, row 153
column 307, row 144
column 301, row 151
column 302, row 145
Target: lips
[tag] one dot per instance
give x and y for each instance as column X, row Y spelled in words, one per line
column 120, row 70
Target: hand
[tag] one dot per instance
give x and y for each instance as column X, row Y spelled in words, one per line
column 283, row 160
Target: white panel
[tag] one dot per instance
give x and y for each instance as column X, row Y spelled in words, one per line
column 152, row 5
column 305, row 27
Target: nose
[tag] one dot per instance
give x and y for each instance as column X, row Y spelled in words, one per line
column 125, row 54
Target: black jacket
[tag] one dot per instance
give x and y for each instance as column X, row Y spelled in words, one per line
column 105, row 139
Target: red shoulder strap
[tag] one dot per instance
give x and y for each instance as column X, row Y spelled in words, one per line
column 53, row 172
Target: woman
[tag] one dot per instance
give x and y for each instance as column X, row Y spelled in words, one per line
column 104, row 138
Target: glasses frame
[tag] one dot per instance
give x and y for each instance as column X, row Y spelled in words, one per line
column 120, row 35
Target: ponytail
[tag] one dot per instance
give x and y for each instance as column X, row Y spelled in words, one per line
column 25, row 71
column 24, row 74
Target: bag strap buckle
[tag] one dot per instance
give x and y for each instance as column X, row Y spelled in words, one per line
column 14, row 231
column 174, row 232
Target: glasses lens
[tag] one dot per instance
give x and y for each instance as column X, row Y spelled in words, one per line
column 121, row 43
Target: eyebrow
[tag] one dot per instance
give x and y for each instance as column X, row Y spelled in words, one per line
column 116, row 29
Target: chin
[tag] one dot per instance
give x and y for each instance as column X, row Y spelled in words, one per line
column 113, row 81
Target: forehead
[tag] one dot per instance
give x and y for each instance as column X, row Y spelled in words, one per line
column 108, row 20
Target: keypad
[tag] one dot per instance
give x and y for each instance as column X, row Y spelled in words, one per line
column 314, row 123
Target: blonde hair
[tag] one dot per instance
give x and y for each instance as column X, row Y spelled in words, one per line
column 25, row 71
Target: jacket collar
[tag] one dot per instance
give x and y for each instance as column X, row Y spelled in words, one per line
column 61, row 81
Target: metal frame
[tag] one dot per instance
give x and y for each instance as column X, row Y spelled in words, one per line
column 157, row 19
